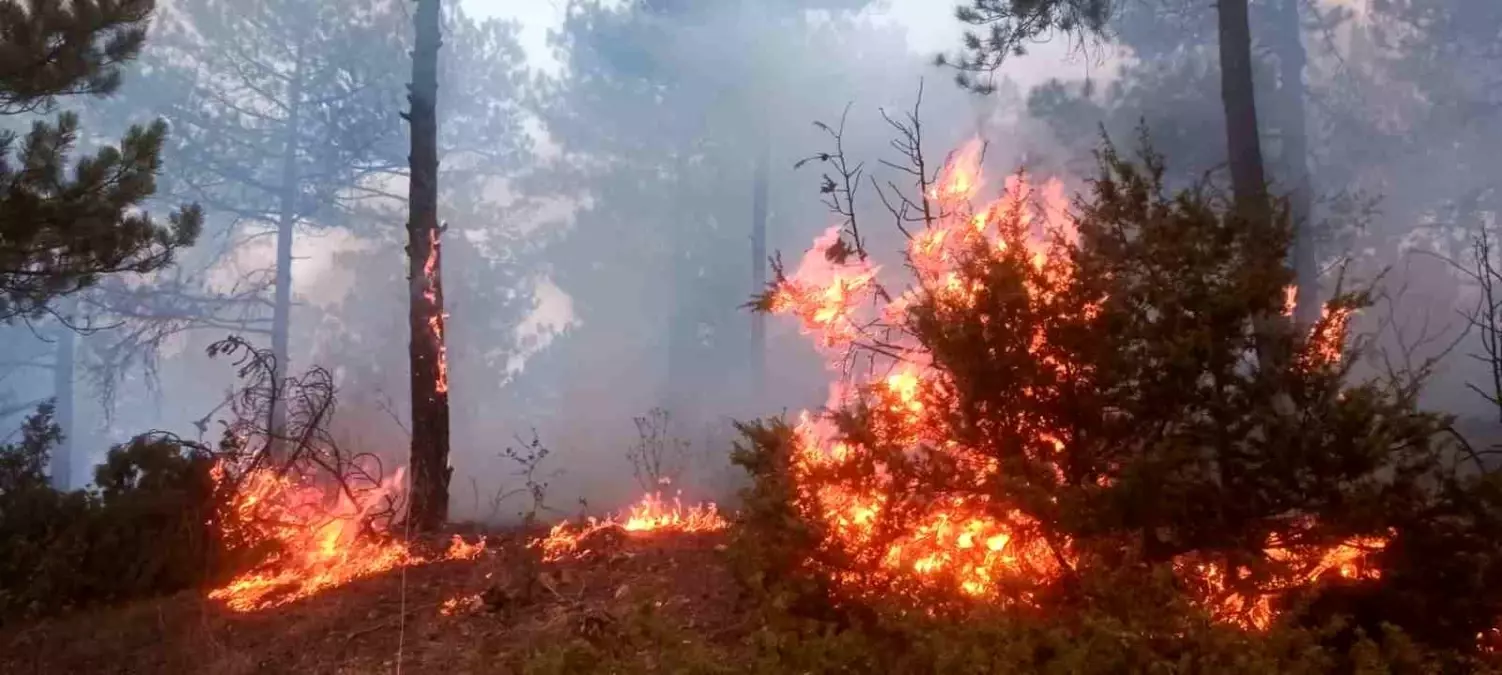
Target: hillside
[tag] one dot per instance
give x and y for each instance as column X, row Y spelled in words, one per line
column 494, row 614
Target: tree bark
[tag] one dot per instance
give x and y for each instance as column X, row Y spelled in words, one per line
column 1289, row 46
column 61, row 462
column 429, row 364
column 281, row 313
column 1244, row 146
column 759, row 189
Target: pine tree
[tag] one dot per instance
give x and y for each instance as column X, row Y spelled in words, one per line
column 61, row 230
column 286, row 118
column 1014, row 22
column 430, row 403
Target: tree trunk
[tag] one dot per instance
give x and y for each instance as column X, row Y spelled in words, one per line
column 1289, row 46
column 430, row 402
column 1248, row 182
column 759, row 266
column 678, row 313
column 1243, row 145
column 61, row 466
column 281, row 313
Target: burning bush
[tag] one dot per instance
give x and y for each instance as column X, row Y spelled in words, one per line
column 1111, row 390
column 270, row 516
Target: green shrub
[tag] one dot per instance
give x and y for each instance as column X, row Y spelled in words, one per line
column 1146, row 415
column 147, row 527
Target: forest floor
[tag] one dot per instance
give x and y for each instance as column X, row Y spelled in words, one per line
column 504, row 612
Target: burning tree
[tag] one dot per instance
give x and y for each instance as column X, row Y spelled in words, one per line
column 430, row 404
column 1064, row 395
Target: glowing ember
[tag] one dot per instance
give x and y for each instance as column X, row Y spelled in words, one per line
column 460, row 605
column 651, row 514
column 955, row 541
column 319, row 540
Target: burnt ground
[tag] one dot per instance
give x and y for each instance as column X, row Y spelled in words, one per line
column 510, row 610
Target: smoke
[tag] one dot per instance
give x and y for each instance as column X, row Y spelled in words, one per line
column 599, row 185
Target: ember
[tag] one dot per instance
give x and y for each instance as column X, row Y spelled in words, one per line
column 956, row 541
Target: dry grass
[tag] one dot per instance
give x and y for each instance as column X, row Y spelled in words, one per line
column 510, row 607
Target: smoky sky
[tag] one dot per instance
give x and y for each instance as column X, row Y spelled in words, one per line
column 597, row 271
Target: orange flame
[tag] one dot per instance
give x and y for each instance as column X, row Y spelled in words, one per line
column 958, row 542
column 460, row 605
column 435, row 321
column 651, row 514
column 1326, row 338
column 318, row 541
column 460, row 550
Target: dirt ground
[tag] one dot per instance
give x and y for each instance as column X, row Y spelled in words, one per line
column 477, row 616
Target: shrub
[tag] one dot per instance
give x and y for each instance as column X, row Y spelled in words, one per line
column 1110, row 416
column 147, row 528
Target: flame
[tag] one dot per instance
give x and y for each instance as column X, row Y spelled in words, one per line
column 460, row 550
column 462, row 604
column 651, row 514
column 1326, row 338
column 319, row 540
column 1348, row 560
column 957, row 541
column 430, row 291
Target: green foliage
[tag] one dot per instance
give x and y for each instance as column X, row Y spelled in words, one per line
column 52, row 49
column 1012, row 24
column 59, row 233
column 147, row 529
column 1134, row 347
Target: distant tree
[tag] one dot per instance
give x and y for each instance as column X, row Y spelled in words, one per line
column 1430, row 73
column 663, row 149
column 285, row 111
column 61, row 231
column 1012, row 23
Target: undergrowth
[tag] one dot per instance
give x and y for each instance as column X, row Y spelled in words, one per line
column 146, row 528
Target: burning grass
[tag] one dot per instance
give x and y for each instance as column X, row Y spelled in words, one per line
column 319, row 536
column 650, row 515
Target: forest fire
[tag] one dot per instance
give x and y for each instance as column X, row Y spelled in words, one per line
column 651, row 514
column 320, row 537
column 953, row 539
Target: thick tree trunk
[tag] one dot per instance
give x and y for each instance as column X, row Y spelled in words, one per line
column 678, row 311
column 759, row 190
column 61, row 463
column 1243, row 145
column 1248, row 181
column 430, row 401
column 1289, row 46
column 281, row 312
